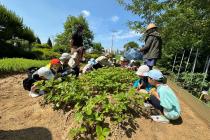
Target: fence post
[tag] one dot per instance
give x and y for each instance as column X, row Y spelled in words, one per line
column 205, row 74
column 174, row 63
column 180, row 65
column 193, row 68
column 188, row 59
column 206, row 64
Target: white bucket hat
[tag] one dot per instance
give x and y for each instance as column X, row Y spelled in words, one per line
column 65, row 56
column 46, row 73
column 142, row 69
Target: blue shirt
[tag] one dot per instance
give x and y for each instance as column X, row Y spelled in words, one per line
column 137, row 82
column 169, row 102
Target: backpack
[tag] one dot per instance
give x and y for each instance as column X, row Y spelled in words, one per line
column 31, row 70
column 28, row 82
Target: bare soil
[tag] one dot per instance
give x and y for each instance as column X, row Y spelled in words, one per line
column 23, row 118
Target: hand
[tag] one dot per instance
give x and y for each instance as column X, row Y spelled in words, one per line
column 152, row 91
column 140, row 50
column 139, row 86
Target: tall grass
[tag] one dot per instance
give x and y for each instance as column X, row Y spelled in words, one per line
column 14, row 65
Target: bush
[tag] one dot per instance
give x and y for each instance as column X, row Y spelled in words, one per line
column 59, row 48
column 100, row 99
column 12, row 65
column 45, row 53
column 193, row 82
column 91, row 55
column 36, row 45
column 10, row 51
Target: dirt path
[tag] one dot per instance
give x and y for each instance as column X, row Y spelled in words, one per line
column 22, row 118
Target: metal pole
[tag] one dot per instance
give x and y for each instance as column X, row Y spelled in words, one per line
column 113, row 31
column 206, row 63
column 188, row 59
column 180, row 65
column 193, row 69
column 174, row 63
column 205, row 75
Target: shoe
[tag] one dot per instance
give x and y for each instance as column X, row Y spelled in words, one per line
column 41, row 92
column 159, row 118
column 33, row 94
column 147, row 105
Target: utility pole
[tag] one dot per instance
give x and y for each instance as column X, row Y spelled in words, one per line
column 113, row 31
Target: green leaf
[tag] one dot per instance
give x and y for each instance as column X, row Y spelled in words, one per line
column 78, row 117
column 106, row 132
column 99, row 130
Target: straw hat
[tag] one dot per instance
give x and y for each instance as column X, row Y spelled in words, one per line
column 150, row 26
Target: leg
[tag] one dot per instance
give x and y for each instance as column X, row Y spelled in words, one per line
column 97, row 66
column 76, row 70
column 155, row 102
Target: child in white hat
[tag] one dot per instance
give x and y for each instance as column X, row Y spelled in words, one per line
column 142, row 84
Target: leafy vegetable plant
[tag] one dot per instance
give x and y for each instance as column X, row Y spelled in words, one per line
column 100, row 99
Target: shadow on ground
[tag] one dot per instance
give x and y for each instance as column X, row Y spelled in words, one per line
column 33, row 133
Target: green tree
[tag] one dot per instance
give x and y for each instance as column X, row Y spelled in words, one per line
column 49, row 42
column 182, row 24
column 97, row 48
column 38, row 41
column 63, row 39
column 130, row 44
column 11, row 26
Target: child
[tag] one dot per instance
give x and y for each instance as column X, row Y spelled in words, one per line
column 43, row 73
column 89, row 66
column 142, row 84
column 123, row 62
column 55, row 66
column 102, row 61
column 65, row 68
column 164, row 99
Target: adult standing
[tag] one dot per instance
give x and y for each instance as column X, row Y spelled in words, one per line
column 77, row 48
column 152, row 47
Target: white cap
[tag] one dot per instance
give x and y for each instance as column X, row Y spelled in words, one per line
column 142, row 69
column 45, row 72
column 65, row 56
column 123, row 58
column 132, row 61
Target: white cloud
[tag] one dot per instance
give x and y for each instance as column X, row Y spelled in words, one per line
column 115, row 18
column 85, row 13
column 125, row 35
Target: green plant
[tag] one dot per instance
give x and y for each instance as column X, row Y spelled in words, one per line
column 91, row 55
column 193, row 82
column 11, row 65
column 45, row 53
column 100, row 99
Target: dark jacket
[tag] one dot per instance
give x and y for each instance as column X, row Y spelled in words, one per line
column 153, row 45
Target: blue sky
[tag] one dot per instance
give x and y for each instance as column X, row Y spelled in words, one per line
column 46, row 18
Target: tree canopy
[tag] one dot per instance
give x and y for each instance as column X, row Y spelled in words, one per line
column 11, row 26
column 130, row 44
column 63, row 39
column 49, row 42
column 97, row 48
column 183, row 24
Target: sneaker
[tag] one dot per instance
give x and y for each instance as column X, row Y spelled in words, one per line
column 147, row 105
column 33, row 94
column 41, row 92
column 159, row 118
